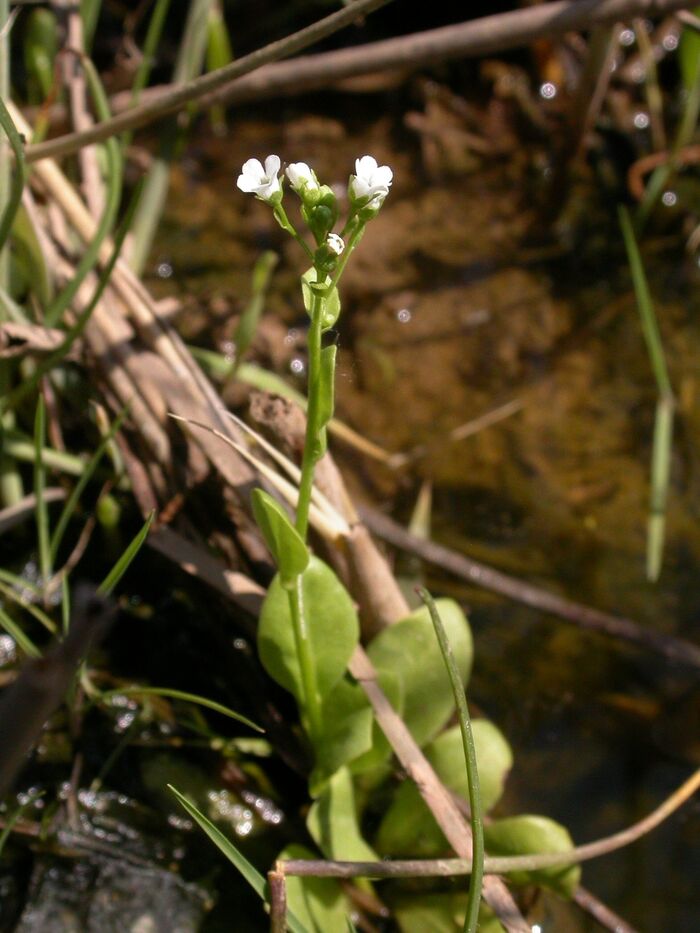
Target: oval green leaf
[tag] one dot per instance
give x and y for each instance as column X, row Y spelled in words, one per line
column 530, row 835
column 410, row 649
column 333, row 630
column 284, row 541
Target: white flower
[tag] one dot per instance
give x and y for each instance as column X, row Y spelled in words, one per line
column 262, row 182
column 335, row 243
column 301, row 178
column 371, row 181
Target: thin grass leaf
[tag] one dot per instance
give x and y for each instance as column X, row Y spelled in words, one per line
column 188, row 65
column 663, row 423
column 73, row 498
column 11, row 821
column 17, row 445
column 90, row 13
column 472, row 914
column 65, row 604
column 18, row 598
column 74, row 332
column 248, row 324
column 114, row 173
column 187, row 697
column 22, row 640
column 219, row 54
column 148, row 54
column 249, row 872
column 122, row 565
column 20, row 176
column 41, row 509
column 20, row 583
column 660, row 477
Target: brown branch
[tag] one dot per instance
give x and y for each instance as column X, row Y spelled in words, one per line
column 434, row 868
column 278, row 901
column 434, row 793
column 486, row 35
column 674, row 649
column 482, row 36
column 197, row 89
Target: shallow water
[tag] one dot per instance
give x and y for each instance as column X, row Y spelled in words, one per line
column 457, row 302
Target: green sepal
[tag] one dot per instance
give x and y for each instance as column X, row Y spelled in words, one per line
column 285, row 543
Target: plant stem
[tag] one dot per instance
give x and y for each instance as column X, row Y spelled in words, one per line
column 310, row 700
column 309, row 458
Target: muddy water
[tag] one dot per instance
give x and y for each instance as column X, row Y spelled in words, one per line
column 460, row 300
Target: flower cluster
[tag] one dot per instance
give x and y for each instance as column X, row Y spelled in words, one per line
column 367, row 190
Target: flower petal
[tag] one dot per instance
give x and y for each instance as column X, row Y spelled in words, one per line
column 248, row 183
column 382, row 176
column 253, row 167
column 365, row 166
column 272, row 165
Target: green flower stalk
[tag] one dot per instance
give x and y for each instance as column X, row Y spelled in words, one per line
column 329, row 254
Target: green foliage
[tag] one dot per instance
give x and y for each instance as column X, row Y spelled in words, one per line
column 326, row 397
column 40, row 48
column 331, row 305
column 122, row 565
column 319, row 903
column 332, row 629
column 346, row 733
column 408, row 827
column 689, row 55
column 409, row 648
column 285, row 543
column 332, row 822
column 527, row 835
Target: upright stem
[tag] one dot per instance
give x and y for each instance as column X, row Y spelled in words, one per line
column 309, row 457
column 311, row 702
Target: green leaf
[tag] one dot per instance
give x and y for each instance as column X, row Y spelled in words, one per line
column 284, row 541
column 319, row 903
column 346, row 733
column 431, row 913
column 689, row 55
column 410, row 649
column 529, row 835
column 408, row 827
column 326, row 397
column 333, row 630
column 249, row 872
column 381, row 750
column 122, row 565
column 332, row 822
column 181, row 695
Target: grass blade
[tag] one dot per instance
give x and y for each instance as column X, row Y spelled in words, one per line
column 472, row 915
column 249, row 872
column 20, row 176
column 113, row 175
column 72, row 334
column 14, row 631
column 183, row 695
column 248, row 324
column 122, row 565
column 42, row 514
column 73, row 498
column 663, row 424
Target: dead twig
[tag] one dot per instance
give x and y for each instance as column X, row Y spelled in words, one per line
column 606, row 917
column 197, row 89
